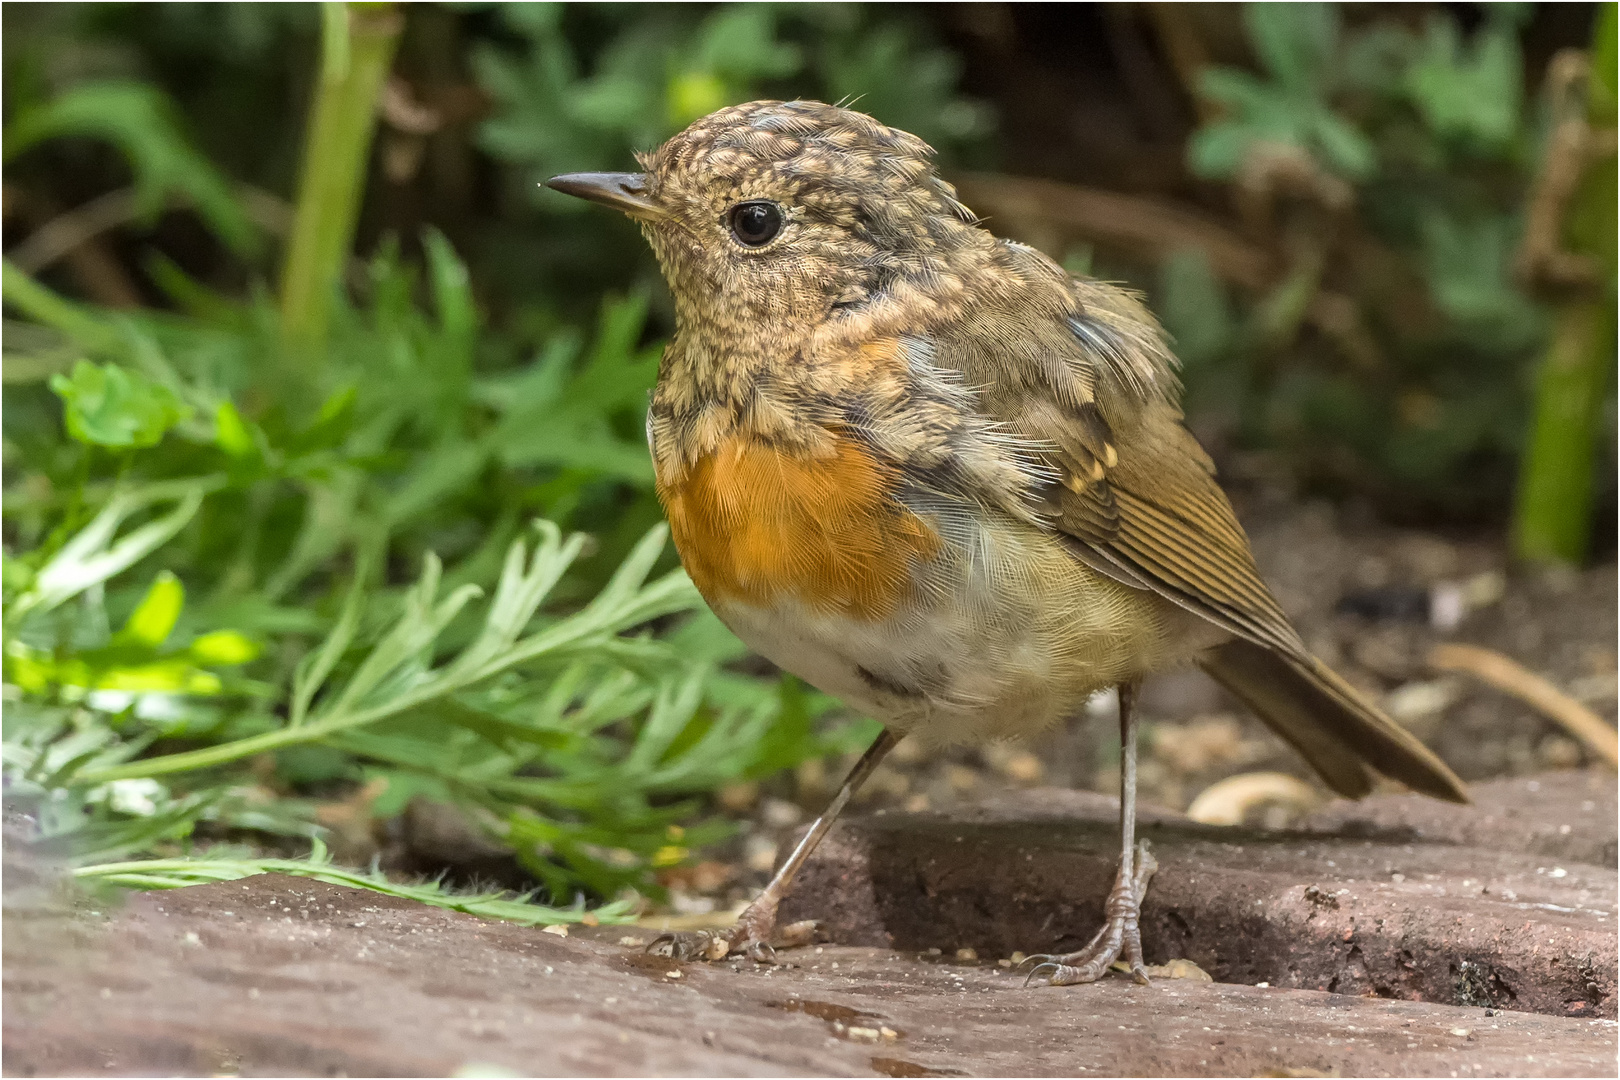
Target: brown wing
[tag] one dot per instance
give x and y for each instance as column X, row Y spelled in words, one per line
column 1135, row 496
column 1158, row 519
column 1132, row 489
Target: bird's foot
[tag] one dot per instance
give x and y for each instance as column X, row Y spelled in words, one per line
column 1119, row 934
column 754, row 935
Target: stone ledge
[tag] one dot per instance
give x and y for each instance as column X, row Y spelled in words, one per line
column 282, row 976
column 1413, row 900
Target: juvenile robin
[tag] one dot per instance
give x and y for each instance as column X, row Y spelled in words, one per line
column 933, row 475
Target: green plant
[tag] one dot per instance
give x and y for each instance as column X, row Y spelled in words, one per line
column 658, row 74
column 357, row 48
column 577, row 746
column 240, row 585
column 141, row 122
column 1388, row 167
column 583, row 87
column 178, row 873
column 1552, row 518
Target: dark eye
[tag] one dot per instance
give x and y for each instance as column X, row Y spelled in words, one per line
column 755, row 223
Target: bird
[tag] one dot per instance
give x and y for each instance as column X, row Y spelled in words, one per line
column 932, row 474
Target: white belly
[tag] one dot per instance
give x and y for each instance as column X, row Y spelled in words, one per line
column 1004, row 637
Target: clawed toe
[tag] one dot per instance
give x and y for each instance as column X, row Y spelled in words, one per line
column 1120, row 934
column 1047, row 964
column 690, row 945
column 710, row 945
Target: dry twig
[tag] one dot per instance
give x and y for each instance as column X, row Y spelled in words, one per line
column 1508, row 675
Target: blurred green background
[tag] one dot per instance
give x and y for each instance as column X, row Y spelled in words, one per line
column 298, row 354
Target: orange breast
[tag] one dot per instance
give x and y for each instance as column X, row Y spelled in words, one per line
column 754, row 523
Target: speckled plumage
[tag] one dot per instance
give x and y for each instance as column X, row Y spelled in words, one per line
column 1024, row 419
column 861, row 326
column 935, row 476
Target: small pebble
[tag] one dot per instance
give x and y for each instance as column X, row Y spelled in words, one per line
column 967, row 954
column 630, row 942
column 1263, row 985
column 672, row 974
column 560, row 929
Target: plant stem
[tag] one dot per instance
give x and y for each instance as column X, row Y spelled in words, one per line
column 357, row 45
column 44, row 306
column 1553, row 517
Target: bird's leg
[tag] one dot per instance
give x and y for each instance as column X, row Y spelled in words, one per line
column 752, row 932
column 1120, row 931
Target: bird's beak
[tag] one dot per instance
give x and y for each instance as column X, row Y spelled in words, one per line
column 622, row 191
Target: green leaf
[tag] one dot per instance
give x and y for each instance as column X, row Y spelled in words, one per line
column 231, row 431
column 1295, row 42
column 223, row 648
column 96, row 552
column 1470, row 92
column 313, row 669
column 107, row 405
column 179, row 873
column 154, row 617
column 1346, row 150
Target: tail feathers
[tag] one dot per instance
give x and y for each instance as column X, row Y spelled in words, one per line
column 1328, row 721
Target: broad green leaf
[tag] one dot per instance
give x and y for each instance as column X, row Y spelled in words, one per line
column 106, row 405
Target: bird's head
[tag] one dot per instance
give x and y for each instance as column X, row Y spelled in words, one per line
column 771, row 217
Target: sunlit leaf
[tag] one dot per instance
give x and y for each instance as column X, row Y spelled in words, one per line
column 107, row 405
column 223, row 647
column 154, row 617
column 231, row 431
